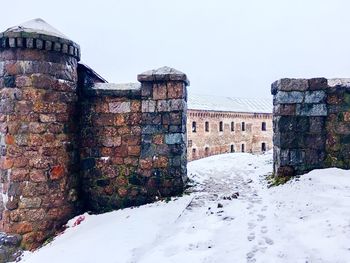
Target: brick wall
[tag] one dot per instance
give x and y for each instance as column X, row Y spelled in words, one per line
column 202, row 143
column 311, row 125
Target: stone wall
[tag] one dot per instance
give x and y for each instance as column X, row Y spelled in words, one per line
column 202, row 143
column 38, row 137
column 311, row 125
column 70, row 142
column 133, row 141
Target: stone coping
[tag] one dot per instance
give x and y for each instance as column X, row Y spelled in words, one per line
column 129, row 90
column 302, row 85
column 33, row 40
column 163, row 74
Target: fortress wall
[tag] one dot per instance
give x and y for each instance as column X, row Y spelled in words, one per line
column 38, row 136
column 133, row 143
column 311, row 125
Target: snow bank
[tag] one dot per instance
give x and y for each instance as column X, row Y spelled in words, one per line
column 230, row 216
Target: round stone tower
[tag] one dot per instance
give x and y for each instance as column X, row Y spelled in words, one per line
column 38, row 145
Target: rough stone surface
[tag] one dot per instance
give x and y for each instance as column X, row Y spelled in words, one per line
column 312, row 132
column 133, row 150
column 70, row 144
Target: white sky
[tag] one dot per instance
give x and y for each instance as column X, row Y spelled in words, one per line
column 226, row 47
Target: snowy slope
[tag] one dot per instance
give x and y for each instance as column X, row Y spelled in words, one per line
column 306, row 220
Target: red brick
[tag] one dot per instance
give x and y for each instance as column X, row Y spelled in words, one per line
column 37, row 176
column 9, row 139
column 160, row 162
column 134, row 150
column 176, row 90
column 19, row 175
column 122, row 192
column 6, row 163
column 146, row 163
column 159, row 91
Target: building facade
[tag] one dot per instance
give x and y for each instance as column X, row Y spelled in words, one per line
column 217, row 125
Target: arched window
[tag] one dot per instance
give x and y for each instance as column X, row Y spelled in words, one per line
column 263, row 126
column 221, row 126
column 243, row 126
column 194, row 126
column 232, row 126
column 207, row 126
column 263, row 147
column 243, row 148
column 232, row 148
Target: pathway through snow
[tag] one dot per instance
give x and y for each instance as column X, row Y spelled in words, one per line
column 229, row 216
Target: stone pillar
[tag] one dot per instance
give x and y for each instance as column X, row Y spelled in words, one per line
column 163, row 157
column 299, row 122
column 38, row 163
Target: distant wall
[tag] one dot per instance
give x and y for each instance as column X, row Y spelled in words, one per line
column 311, row 125
column 203, row 143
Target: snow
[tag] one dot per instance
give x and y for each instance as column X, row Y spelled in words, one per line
column 305, row 220
column 119, row 86
column 37, row 25
column 217, row 103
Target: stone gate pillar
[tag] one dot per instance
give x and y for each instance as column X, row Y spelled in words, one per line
column 164, row 115
column 38, row 163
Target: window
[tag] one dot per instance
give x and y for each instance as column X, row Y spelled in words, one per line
column 232, row 126
column 189, row 143
column 243, row 126
column 243, row 146
column 194, row 153
column 221, row 126
column 263, row 147
column 194, row 126
column 207, row 126
column 263, row 126
column 232, row 148
column 206, row 151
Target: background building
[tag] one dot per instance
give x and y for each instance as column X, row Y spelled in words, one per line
column 218, row 125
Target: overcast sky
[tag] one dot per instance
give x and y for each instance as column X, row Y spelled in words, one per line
column 226, row 47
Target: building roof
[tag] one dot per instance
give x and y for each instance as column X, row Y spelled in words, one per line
column 39, row 26
column 218, row 103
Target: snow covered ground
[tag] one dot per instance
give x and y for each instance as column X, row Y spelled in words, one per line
column 229, row 216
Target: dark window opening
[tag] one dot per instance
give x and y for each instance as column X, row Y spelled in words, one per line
column 232, row 126
column 243, row 146
column 189, row 143
column 263, row 126
column 194, row 153
column 221, row 126
column 206, row 151
column 263, row 147
column 243, row 126
column 232, row 148
column 194, row 126
column 207, row 126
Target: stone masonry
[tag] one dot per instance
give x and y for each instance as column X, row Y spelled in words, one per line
column 70, row 142
column 133, row 141
column 311, row 125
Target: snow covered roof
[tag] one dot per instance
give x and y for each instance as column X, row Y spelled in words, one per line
column 217, row 103
column 39, row 26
